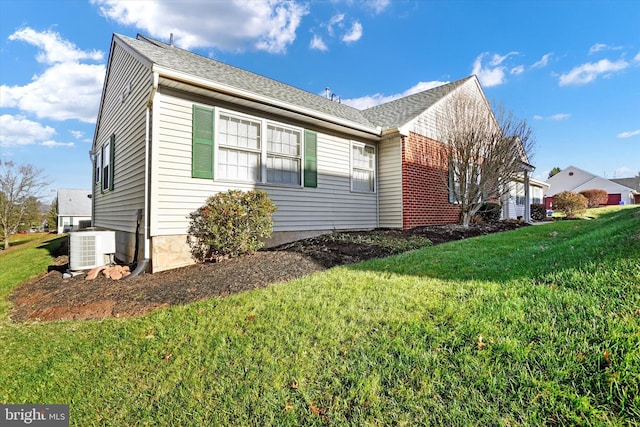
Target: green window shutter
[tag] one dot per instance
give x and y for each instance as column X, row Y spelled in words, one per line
column 112, row 161
column 310, row 159
column 202, row 143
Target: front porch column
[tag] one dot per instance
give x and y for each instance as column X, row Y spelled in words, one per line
column 527, row 198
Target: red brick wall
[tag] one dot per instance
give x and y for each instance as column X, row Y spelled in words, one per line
column 425, row 197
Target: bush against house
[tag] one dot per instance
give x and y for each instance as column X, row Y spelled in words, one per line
column 538, row 211
column 230, row 223
column 572, row 204
column 490, row 212
column 595, row 197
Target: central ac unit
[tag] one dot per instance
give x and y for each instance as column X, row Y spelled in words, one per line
column 91, row 249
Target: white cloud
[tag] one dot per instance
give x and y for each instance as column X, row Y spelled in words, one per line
column 586, row 73
column 543, row 61
column 377, row 5
column 53, row 48
column 268, row 25
column 354, row 34
column 629, row 134
column 598, row 47
column 637, row 57
column 17, row 130
column 517, row 70
column 77, row 134
column 53, row 144
column 335, row 20
column 624, row 171
column 554, row 117
column 318, row 44
column 497, row 60
column 369, row 101
column 560, row 116
column 67, row 89
column 492, row 74
column 64, row 91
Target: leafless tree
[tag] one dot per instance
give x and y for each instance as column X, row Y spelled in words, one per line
column 483, row 150
column 18, row 186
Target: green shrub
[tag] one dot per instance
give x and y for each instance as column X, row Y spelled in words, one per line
column 538, row 212
column 489, row 212
column 595, row 198
column 230, row 224
column 572, row 204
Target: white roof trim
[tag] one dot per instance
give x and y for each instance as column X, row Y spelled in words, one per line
column 219, row 87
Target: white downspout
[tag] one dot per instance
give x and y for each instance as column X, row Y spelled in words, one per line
column 147, row 142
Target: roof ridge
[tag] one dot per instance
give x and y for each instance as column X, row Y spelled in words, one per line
column 422, row 92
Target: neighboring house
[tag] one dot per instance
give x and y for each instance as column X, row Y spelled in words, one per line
column 74, row 206
column 633, row 183
column 175, row 127
column 516, row 201
column 577, row 180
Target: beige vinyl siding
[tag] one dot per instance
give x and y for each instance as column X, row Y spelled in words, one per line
column 116, row 210
column 175, row 193
column 426, row 123
column 390, row 183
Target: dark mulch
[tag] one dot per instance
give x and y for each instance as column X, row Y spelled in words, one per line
column 51, row 297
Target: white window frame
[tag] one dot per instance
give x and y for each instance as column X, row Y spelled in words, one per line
column 106, row 163
column 263, row 151
column 353, row 167
column 219, row 147
column 97, row 167
column 297, row 158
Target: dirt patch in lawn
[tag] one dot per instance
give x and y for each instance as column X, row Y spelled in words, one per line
column 52, row 297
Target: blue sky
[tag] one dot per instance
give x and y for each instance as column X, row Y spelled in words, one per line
column 570, row 68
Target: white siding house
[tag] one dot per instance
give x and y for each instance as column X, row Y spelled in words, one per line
column 576, row 180
column 175, row 127
column 74, row 207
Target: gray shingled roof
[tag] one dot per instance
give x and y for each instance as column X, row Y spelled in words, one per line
column 390, row 115
column 74, row 202
column 396, row 113
column 199, row 66
column 633, row 183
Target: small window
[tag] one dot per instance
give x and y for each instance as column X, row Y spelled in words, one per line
column 107, row 160
column 97, row 166
column 471, row 186
column 363, row 167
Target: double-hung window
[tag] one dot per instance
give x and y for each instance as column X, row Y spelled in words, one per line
column 251, row 149
column 240, row 148
column 363, row 167
column 284, row 148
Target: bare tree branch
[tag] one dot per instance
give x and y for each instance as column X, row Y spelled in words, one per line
column 484, row 151
column 18, row 184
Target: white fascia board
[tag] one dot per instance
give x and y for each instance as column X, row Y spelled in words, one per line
column 219, row 87
column 138, row 56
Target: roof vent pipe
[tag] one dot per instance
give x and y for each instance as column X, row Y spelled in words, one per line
column 171, row 39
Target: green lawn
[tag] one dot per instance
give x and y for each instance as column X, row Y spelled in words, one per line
column 535, row 326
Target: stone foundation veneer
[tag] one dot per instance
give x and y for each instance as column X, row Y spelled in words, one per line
column 168, row 252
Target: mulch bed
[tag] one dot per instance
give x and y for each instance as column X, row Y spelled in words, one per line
column 52, row 297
